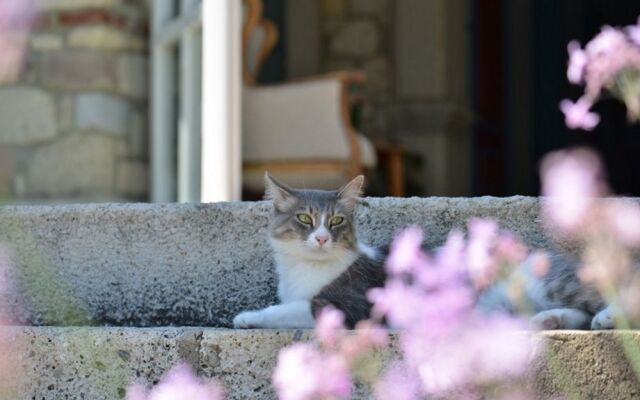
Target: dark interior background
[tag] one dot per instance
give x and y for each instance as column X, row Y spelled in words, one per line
column 518, row 77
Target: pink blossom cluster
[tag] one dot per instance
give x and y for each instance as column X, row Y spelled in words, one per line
column 179, row 384
column 323, row 370
column 16, row 19
column 611, row 62
column 574, row 185
column 449, row 348
column 608, row 229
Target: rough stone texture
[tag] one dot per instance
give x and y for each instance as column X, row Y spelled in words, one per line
column 133, row 75
column 46, row 5
column 189, row 264
column 103, row 37
column 358, row 38
column 99, row 363
column 46, row 42
column 102, row 112
column 27, row 115
column 74, row 69
column 587, row 365
column 76, row 164
column 94, row 363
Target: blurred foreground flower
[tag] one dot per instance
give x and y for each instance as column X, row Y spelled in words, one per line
column 324, row 370
column 16, row 20
column 576, row 207
column 179, row 384
column 609, row 62
column 448, row 348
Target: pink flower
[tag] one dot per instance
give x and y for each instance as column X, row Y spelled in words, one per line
column 578, row 116
column 571, row 180
column 623, row 219
column 304, row 373
column 16, row 18
column 406, row 252
column 398, row 383
column 482, row 265
column 178, row 384
column 606, row 42
column 577, row 62
column 633, row 31
column 328, row 323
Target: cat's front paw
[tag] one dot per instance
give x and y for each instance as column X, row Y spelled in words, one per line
column 248, row 319
column 603, row 320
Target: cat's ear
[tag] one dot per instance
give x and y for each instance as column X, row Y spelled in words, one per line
column 349, row 194
column 279, row 193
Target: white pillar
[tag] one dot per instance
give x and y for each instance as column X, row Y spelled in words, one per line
column 221, row 130
column 189, row 121
column 162, row 96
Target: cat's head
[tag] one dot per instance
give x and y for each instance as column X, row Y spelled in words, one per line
column 313, row 224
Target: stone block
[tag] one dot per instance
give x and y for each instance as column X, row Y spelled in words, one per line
column 105, row 38
column 133, row 75
column 378, row 74
column 243, row 361
column 47, row 5
column 7, row 171
column 132, row 179
column 94, row 363
column 66, row 112
column 102, row 112
column 378, row 8
column 358, row 39
column 76, row 69
column 333, row 7
column 196, row 264
column 76, row 164
column 138, row 143
column 28, row 116
column 46, row 42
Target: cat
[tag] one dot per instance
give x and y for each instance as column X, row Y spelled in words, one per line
column 320, row 261
column 319, row 258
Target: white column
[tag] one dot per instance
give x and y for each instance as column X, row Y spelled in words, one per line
column 221, row 131
column 189, row 121
column 162, row 96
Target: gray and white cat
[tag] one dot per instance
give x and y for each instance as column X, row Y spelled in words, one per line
column 320, row 262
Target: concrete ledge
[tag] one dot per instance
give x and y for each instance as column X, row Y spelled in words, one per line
column 193, row 264
column 99, row 363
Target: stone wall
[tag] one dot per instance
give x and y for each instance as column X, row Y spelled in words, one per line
column 416, row 55
column 355, row 34
column 74, row 125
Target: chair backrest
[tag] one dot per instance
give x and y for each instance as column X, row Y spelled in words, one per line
column 259, row 36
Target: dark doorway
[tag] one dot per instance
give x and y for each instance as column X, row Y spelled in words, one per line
column 519, row 79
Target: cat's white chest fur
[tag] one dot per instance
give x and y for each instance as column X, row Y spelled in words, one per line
column 303, row 279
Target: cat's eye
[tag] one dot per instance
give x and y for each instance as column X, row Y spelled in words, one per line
column 336, row 221
column 305, row 219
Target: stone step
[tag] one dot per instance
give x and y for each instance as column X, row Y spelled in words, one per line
column 99, row 363
column 189, row 264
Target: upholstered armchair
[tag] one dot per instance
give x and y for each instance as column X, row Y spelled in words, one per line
column 300, row 130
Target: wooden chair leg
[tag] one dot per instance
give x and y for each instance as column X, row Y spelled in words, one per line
column 396, row 172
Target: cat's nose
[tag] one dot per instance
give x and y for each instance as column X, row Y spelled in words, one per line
column 322, row 239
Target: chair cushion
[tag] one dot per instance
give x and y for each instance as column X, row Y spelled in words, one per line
column 367, row 151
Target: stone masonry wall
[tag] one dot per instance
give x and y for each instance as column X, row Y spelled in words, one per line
column 74, row 125
column 415, row 53
column 355, row 34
